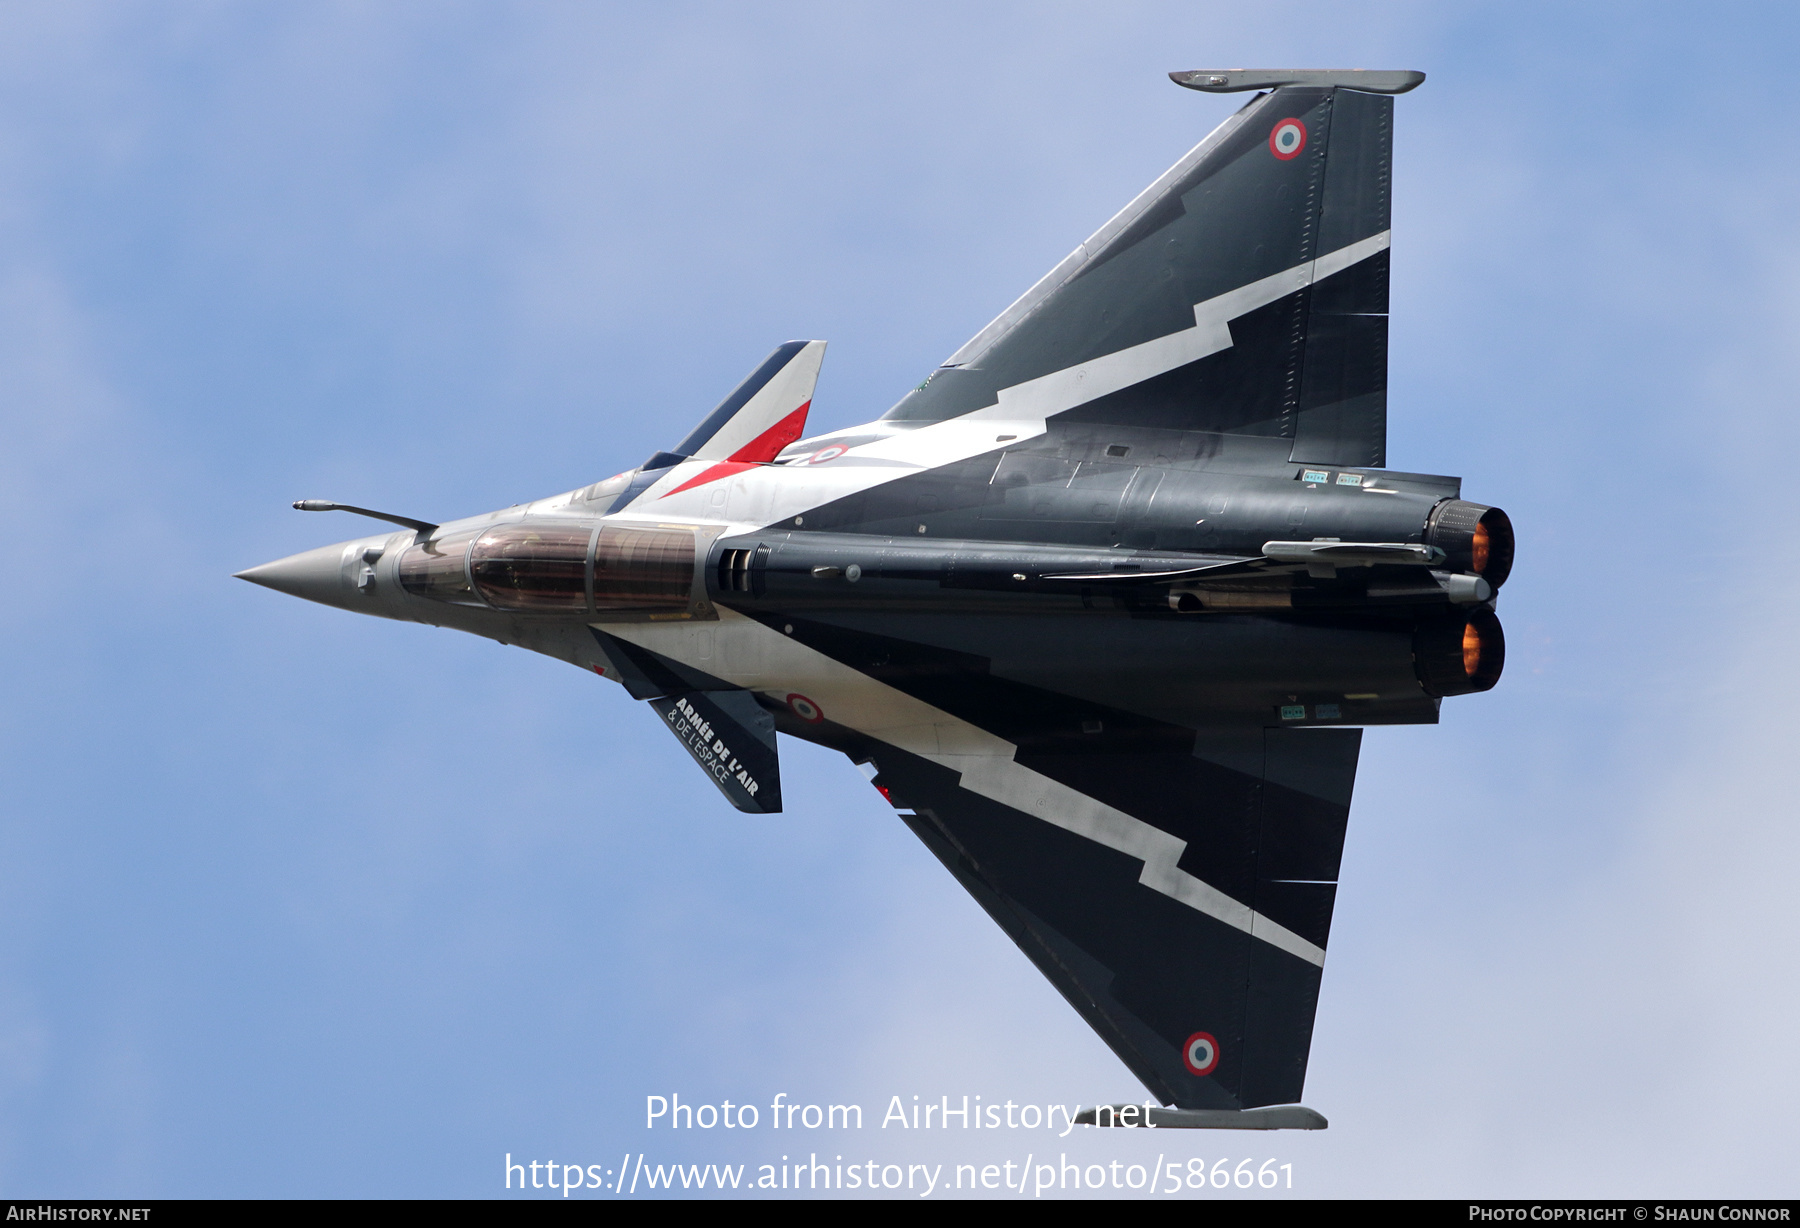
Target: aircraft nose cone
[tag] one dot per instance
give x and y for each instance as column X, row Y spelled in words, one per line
column 316, row 575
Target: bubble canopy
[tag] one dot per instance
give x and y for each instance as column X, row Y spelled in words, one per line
column 565, row 568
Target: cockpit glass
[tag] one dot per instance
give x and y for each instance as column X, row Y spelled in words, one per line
column 438, row 569
column 534, row 568
column 643, row 569
column 542, row 568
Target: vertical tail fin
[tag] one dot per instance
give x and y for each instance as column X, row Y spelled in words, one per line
column 765, row 413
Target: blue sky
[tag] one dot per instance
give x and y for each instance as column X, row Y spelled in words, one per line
column 294, row 903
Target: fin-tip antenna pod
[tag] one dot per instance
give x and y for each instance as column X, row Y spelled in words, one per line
column 1235, row 80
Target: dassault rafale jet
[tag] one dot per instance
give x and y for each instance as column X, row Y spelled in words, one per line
column 1100, row 607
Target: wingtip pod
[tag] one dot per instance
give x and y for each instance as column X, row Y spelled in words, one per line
column 1269, row 1117
column 1235, row 80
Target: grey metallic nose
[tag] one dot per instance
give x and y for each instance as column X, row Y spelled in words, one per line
column 316, row 575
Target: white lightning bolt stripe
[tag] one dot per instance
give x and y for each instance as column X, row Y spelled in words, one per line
column 772, row 493
column 1063, row 390
column 746, row 653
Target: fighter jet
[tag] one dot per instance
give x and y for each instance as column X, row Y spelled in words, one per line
column 1101, row 607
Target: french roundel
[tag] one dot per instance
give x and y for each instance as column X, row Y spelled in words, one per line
column 825, row 454
column 1200, row 1054
column 1288, row 139
column 805, row 709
